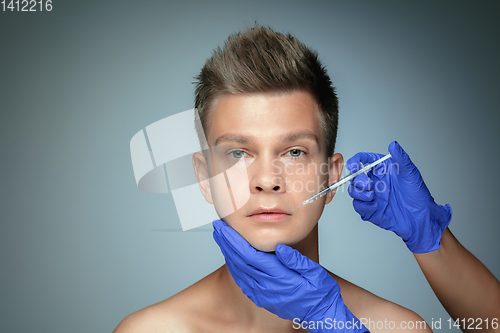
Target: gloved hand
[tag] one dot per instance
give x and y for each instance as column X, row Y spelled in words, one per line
column 287, row 284
column 393, row 196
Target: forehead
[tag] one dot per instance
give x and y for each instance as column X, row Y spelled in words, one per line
column 264, row 116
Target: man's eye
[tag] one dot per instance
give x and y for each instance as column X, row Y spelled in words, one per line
column 295, row 153
column 237, row 153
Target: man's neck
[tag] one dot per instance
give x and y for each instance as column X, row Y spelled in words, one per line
column 250, row 314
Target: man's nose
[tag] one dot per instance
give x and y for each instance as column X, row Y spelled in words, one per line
column 267, row 176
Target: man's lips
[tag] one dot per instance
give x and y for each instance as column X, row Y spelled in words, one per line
column 272, row 214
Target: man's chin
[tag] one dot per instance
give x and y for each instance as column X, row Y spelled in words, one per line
column 266, row 248
column 268, row 245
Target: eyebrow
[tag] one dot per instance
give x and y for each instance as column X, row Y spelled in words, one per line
column 234, row 138
column 299, row 135
column 242, row 139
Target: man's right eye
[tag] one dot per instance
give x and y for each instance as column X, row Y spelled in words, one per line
column 237, row 153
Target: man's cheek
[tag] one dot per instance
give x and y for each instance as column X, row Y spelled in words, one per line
column 308, row 184
column 312, row 188
column 230, row 189
column 237, row 178
column 221, row 196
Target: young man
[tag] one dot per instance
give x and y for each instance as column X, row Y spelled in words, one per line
column 266, row 99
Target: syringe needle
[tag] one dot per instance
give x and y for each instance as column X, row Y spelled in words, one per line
column 344, row 180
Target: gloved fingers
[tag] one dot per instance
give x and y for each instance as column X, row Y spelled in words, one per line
column 235, row 258
column 234, row 243
column 402, row 163
column 362, row 182
column 361, row 159
column 217, row 224
column 248, row 285
column 239, row 272
column 255, row 288
column 242, row 279
column 365, row 209
column 222, row 245
column 359, row 194
column 256, row 263
column 223, row 249
column 229, row 257
column 307, row 268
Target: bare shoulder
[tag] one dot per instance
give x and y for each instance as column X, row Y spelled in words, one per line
column 154, row 318
column 174, row 314
column 379, row 314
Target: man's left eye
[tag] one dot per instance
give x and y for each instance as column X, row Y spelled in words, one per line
column 295, row 153
column 237, row 153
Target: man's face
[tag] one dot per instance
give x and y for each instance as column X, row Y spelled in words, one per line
column 281, row 142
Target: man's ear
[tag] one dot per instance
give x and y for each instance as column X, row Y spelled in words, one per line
column 202, row 175
column 335, row 165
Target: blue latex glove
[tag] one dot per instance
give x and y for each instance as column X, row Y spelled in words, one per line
column 398, row 200
column 287, row 284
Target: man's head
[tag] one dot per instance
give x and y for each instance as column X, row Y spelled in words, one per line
column 260, row 60
column 265, row 98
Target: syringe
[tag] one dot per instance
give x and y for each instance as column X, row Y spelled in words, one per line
column 344, row 180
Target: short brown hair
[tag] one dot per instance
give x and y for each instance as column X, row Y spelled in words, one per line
column 262, row 60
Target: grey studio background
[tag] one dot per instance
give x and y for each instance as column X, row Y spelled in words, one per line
column 81, row 247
